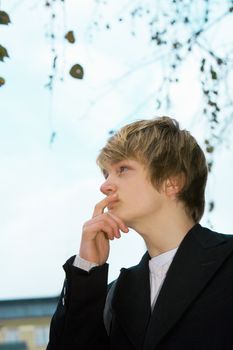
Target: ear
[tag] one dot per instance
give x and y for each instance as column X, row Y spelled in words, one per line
column 173, row 185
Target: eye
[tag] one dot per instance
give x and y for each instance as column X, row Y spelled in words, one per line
column 105, row 173
column 123, row 169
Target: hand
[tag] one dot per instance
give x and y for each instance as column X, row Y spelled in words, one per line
column 99, row 230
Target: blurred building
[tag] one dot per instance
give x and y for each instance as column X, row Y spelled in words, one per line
column 24, row 323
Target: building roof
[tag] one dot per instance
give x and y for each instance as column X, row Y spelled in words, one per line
column 26, row 308
column 13, row 346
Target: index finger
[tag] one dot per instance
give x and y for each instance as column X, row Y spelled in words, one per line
column 99, row 207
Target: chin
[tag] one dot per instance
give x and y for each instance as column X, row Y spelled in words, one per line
column 125, row 218
column 118, row 212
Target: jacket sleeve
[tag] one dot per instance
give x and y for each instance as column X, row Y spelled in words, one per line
column 77, row 323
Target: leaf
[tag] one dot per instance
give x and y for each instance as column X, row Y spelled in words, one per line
column 76, row 71
column 176, row 45
column 158, row 102
column 219, row 61
column 210, row 165
column 3, row 53
column 52, row 137
column 70, row 37
column 202, row 67
column 55, row 62
column 212, row 103
column 211, row 206
column 2, row 81
column 4, row 18
column 210, row 149
column 213, row 74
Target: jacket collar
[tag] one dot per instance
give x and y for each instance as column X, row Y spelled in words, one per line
column 197, row 259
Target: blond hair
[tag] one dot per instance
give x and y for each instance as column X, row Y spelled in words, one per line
column 166, row 151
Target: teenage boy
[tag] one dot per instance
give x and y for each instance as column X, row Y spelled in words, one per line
column 180, row 295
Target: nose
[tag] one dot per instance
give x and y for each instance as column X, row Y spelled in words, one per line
column 108, row 187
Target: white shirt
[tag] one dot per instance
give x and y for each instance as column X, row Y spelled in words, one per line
column 83, row 264
column 158, row 267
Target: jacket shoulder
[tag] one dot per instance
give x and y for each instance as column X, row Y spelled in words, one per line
column 208, row 237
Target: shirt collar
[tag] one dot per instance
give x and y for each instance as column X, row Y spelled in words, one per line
column 162, row 259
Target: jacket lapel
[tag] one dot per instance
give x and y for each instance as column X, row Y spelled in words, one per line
column 131, row 301
column 198, row 258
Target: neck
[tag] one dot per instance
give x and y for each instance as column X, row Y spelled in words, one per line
column 164, row 232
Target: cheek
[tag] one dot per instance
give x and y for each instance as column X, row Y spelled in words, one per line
column 149, row 199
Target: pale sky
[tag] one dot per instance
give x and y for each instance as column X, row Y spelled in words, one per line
column 48, row 192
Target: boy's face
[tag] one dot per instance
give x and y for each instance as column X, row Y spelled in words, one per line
column 138, row 200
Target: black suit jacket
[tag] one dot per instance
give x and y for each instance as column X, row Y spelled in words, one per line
column 194, row 309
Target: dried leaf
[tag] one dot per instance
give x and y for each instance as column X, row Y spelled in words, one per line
column 213, row 74
column 211, row 206
column 219, row 61
column 4, row 18
column 2, row 81
column 70, row 37
column 76, row 71
column 202, row 67
column 176, row 45
column 55, row 62
column 210, row 149
column 158, row 104
column 210, row 165
column 52, row 137
column 3, row 53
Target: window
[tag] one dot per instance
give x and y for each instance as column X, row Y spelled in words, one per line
column 42, row 336
column 12, row 335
